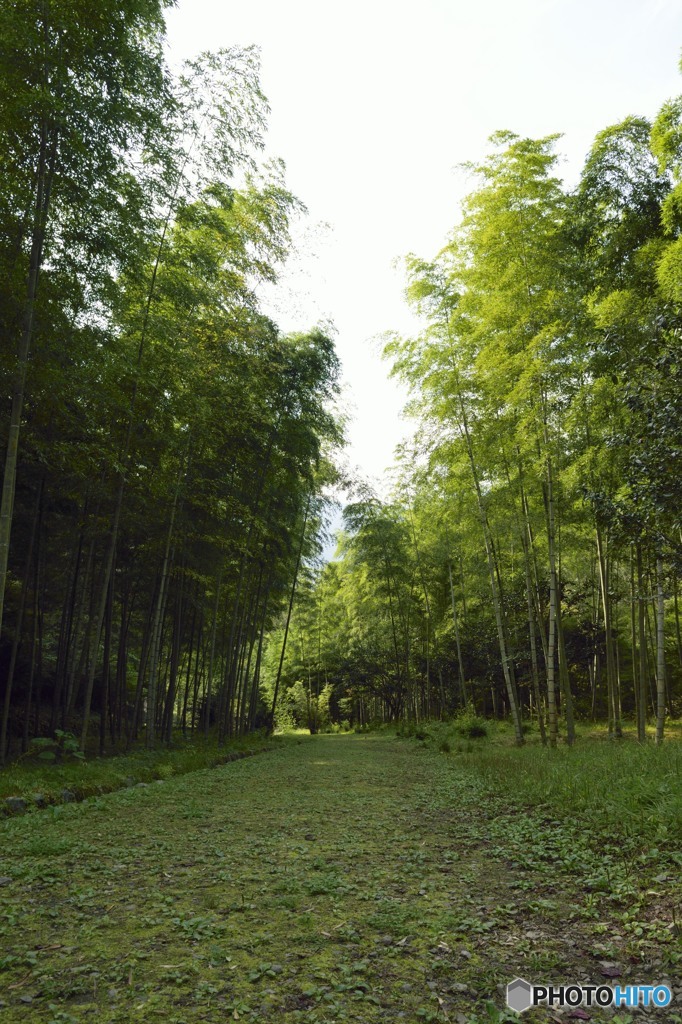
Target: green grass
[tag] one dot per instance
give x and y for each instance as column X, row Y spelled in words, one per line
column 337, row 879
column 615, row 787
column 95, row 776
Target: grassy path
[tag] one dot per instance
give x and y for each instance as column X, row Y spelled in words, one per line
column 337, row 879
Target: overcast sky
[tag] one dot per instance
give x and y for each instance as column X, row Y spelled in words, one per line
column 376, row 102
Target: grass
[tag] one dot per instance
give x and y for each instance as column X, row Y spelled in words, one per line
column 622, row 789
column 28, row 777
column 618, row 787
column 338, row 879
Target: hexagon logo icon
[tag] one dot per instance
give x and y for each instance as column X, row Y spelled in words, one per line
column 519, row 995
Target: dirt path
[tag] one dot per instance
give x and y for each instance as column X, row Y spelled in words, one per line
column 341, row 879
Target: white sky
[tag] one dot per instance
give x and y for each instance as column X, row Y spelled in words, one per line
column 375, row 102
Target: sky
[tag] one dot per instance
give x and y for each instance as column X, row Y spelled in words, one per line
column 376, row 104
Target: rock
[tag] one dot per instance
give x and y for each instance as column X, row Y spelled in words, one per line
column 5, row 880
column 142, row 785
column 159, row 782
column 15, row 804
column 387, row 940
column 465, row 953
column 130, row 781
column 25, row 999
column 459, row 987
column 309, row 837
column 68, row 796
column 39, row 799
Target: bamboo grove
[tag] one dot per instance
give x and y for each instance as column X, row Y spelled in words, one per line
column 166, row 446
column 528, row 562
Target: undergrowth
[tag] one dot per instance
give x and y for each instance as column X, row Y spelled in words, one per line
column 619, row 787
column 27, row 777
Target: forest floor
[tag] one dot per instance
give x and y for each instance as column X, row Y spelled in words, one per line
column 341, row 878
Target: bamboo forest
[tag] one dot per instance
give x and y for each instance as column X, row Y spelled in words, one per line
column 463, row 682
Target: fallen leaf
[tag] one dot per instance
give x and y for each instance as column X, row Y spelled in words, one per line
column 18, row 984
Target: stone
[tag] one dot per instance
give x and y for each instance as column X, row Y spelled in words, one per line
column 15, row 804
column 39, row 799
column 142, row 785
column 5, row 880
column 68, row 796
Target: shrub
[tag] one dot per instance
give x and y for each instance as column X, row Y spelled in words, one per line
column 63, row 747
column 470, row 725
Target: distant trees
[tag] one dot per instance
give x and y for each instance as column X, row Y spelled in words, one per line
column 529, row 559
column 164, row 439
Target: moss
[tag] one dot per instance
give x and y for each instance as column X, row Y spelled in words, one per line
column 348, row 878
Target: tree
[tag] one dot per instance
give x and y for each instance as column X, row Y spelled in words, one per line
column 82, row 90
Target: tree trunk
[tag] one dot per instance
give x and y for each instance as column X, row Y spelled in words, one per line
column 553, row 600
column 158, row 622
column 211, row 656
column 604, row 580
column 494, row 584
column 462, row 683
column 643, row 669
column 660, row 652
column 106, row 668
column 19, row 626
column 286, row 628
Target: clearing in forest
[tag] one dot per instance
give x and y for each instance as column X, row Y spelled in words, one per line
column 341, row 878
